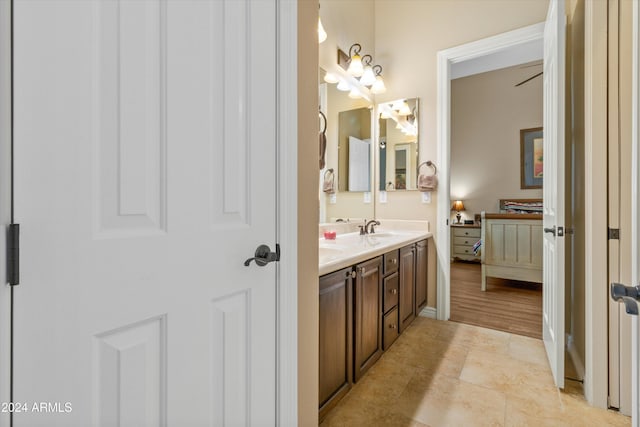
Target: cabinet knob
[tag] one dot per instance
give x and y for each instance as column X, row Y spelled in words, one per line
column 393, row 291
column 392, row 326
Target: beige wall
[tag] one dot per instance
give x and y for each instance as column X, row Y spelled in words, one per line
column 487, row 114
column 307, row 214
column 408, row 35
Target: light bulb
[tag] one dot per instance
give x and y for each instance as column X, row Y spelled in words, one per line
column 331, row 78
column 368, row 78
column 355, row 66
column 343, row 86
column 322, row 34
column 354, row 94
column 378, row 86
column 404, row 109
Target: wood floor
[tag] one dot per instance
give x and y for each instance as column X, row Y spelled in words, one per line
column 507, row 305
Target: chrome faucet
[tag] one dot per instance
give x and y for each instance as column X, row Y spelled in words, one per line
column 370, row 230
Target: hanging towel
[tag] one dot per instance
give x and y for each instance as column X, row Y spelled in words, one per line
column 427, row 182
column 328, row 182
column 323, row 140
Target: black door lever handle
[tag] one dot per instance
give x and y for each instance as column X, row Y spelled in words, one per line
column 629, row 295
column 264, row 256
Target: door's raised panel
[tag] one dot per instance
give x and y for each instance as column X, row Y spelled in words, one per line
column 129, row 91
column 130, row 375
column 231, row 115
column 230, row 362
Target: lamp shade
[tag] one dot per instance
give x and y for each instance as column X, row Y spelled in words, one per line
column 356, row 68
column 458, row 206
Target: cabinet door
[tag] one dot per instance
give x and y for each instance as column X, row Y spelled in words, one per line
column 336, row 339
column 422, row 260
column 368, row 315
column 407, row 286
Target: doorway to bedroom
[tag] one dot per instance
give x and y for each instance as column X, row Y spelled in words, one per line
column 496, row 181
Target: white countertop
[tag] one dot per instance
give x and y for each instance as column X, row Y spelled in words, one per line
column 350, row 247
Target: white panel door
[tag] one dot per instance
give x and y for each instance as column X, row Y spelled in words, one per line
column 145, row 176
column 553, row 189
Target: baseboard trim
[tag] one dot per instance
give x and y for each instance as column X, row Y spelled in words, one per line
column 575, row 357
column 429, row 312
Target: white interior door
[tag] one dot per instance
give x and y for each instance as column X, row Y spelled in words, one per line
column 145, row 176
column 553, row 189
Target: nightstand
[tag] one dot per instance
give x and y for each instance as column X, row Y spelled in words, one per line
column 463, row 237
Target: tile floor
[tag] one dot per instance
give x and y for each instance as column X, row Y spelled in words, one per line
column 450, row 374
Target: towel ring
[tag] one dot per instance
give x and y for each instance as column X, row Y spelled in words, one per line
column 324, row 118
column 324, row 177
column 428, row 163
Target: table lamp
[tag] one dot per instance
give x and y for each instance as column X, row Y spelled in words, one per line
column 458, row 206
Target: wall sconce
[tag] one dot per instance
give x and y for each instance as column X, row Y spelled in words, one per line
column 378, row 86
column 362, row 66
column 355, row 62
column 458, row 207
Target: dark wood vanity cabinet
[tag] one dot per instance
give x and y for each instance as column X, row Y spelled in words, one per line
column 406, row 305
column 336, row 338
column 363, row 310
column 367, row 315
column 422, row 260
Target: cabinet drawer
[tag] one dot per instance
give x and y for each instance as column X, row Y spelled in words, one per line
column 463, row 250
column 466, row 232
column 390, row 262
column 465, row 241
column 390, row 328
column 390, row 292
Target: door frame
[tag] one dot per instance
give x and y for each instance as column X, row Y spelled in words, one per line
column 635, row 209
column 5, row 202
column 287, row 214
column 446, row 59
column 287, row 205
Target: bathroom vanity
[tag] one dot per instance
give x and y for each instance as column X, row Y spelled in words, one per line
column 371, row 288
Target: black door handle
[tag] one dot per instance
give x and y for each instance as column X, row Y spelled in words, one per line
column 264, row 256
column 551, row 230
column 629, row 295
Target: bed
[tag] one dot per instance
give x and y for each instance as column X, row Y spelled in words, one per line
column 512, row 241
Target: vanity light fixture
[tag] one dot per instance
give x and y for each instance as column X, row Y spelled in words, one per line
column 322, row 34
column 355, row 62
column 354, row 94
column 368, row 77
column 343, row 85
column 404, row 109
column 331, row 78
column 378, row 86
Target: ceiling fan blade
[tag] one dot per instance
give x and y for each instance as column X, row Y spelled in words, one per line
column 529, row 79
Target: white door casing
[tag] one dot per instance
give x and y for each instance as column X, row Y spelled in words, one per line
column 448, row 58
column 635, row 212
column 553, row 189
column 145, row 175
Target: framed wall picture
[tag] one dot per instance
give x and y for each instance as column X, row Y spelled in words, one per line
column 531, row 158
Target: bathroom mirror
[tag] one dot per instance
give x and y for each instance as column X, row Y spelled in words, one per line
column 349, row 152
column 354, row 150
column 398, row 145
